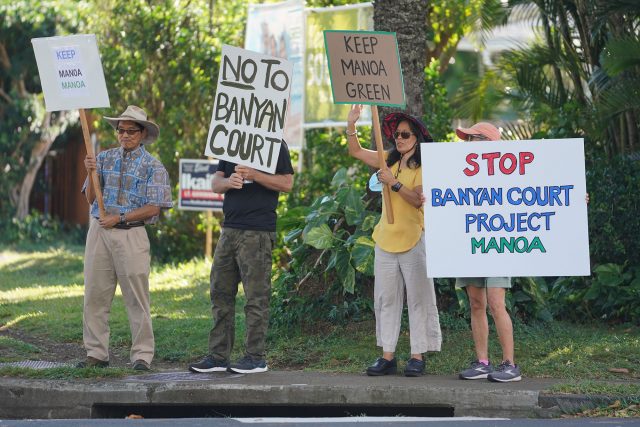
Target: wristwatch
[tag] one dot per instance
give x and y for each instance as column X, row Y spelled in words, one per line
column 122, row 220
column 396, row 187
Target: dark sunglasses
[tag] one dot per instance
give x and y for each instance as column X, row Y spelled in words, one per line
column 476, row 137
column 130, row 132
column 403, row 134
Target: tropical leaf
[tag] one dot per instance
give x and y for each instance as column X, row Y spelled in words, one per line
column 340, row 178
column 320, row 237
column 363, row 255
column 351, row 201
column 345, row 270
column 621, row 54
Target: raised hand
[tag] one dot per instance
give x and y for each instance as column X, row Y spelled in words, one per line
column 354, row 113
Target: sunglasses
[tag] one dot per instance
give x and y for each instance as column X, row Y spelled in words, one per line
column 403, row 134
column 476, row 137
column 129, row 132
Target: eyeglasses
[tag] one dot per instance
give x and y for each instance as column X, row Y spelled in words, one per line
column 403, row 134
column 129, row 132
column 476, row 137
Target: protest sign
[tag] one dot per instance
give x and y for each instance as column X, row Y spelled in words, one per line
column 364, row 67
column 195, row 192
column 70, row 72
column 250, row 109
column 506, row 208
column 72, row 78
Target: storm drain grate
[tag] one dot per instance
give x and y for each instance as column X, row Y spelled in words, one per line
column 36, row 364
column 102, row 410
column 181, row 376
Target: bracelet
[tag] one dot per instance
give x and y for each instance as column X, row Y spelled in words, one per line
column 396, row 187
column 355, row 132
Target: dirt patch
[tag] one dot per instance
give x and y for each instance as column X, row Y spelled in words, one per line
column 54, row 351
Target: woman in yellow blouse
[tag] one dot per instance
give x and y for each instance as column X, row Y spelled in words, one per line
column 400, row 259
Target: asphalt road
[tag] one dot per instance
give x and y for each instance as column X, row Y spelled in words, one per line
column 331, row 422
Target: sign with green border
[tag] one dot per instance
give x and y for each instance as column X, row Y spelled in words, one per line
column 364, row 67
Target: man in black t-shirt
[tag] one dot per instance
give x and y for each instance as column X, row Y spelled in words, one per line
column 243, row 254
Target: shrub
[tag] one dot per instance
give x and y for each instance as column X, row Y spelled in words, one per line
column 40, row 228
column 180, row 235
column 612, row 295
column 614, row 222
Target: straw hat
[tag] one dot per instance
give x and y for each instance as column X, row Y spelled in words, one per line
column 137, row 115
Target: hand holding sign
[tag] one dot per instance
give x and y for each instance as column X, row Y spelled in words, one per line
column 247, row 173
column 72, row 78
column 364, row 67
column 235, row 181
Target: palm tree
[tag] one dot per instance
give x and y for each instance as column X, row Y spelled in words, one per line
column 582, row 77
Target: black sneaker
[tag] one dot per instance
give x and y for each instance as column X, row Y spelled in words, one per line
column 382, row 366
column 248, row 365
column 141, row 365
column 477, row 370
column 506, row 372
column 209, row 364
column 414, row 368
column 92, row 362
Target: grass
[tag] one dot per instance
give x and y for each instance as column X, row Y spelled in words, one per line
column 41, row 292
column 66, row 373
column 598, row 387
column 624, row 398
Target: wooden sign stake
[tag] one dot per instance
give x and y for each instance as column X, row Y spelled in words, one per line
column 93, row 176
column 386, row 195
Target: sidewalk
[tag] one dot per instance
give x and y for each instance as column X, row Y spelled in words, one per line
column 283, row 391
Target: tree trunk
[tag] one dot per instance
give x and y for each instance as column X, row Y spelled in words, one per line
column 48, row 134
column 408, row 19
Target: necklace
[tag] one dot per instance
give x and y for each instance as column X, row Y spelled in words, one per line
column 395, row 175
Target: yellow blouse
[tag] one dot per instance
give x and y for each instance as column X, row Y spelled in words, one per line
column 408, row 223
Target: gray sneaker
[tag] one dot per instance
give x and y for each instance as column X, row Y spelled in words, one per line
column 209, row 364
column 248, row 365
column 476, row 371
column 505, row 373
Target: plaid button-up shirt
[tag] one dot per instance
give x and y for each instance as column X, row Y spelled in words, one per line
column 130, row 180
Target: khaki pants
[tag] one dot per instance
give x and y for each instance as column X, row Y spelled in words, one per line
column 395, row 272
column 114, row 256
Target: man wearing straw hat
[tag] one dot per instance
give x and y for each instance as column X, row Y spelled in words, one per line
column 135, row 187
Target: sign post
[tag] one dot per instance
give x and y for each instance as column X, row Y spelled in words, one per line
column 72, row 78
column 506, row 208
column 364, row 67
column 196, row 193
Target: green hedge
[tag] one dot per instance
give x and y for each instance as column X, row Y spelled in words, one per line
column 614, row 220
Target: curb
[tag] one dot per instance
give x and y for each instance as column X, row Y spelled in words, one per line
column 285, row 391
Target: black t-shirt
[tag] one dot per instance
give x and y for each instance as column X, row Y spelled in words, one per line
column 253, row 207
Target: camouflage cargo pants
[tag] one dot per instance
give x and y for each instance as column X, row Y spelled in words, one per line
column 241, row 256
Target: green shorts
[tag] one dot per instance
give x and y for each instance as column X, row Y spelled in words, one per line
column 484, row 282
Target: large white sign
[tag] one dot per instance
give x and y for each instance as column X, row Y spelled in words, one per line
column 250, row 108
column 70, row 72
column 506, row 208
